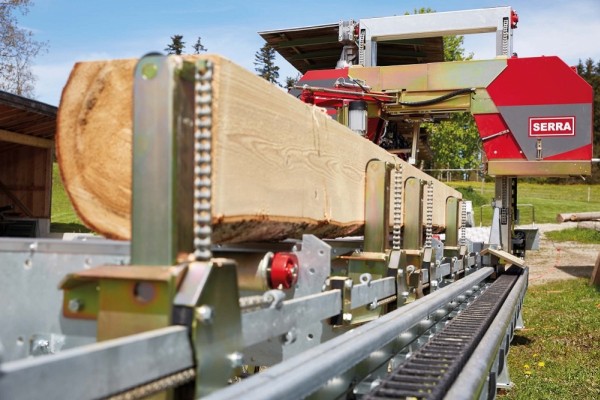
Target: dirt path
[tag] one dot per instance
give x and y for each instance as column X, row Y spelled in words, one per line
column 560, row 260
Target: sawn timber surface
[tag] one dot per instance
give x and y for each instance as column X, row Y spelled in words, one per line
column 281, row 168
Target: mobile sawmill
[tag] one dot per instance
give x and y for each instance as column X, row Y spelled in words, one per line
column 262, row 245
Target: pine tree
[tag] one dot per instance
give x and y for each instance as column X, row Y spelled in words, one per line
column 290, row 82
column 264, row 60
column 198, row 46
column 176, row 46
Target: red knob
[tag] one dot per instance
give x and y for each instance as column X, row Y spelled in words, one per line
column 284, row 270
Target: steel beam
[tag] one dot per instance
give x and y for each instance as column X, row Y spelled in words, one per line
column 304, row 374
column 98, row 370
column 474, row 376
column 497, row 19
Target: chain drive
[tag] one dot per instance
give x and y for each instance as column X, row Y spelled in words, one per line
column 463, row 223
column 202, row 161
column 429, row 215
column 159, row 385
column 397, row 212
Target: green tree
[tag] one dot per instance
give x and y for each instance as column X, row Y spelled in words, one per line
column 290, row 81
column 18, row 49
column 264, row 60
column 176, row 46
column 591, row 73
column 455, row 143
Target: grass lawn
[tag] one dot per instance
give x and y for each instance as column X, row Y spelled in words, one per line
column 557, row 355
column 547, row 200
column 64, row 218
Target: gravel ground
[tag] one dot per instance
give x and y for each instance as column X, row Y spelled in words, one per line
column 560, row 260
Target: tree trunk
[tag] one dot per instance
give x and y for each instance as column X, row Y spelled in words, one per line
column 582, row 216
column 281, row 168
column 589, row 225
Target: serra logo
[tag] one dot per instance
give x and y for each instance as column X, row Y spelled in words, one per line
column 552, row 126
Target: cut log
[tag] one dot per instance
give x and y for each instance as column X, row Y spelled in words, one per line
column 589, row 225
column 281, row 167
column 595, row 278
column 581, row 216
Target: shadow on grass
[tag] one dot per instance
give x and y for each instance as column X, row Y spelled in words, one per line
column 584, row 271
column 520, row 341
column 59, row 227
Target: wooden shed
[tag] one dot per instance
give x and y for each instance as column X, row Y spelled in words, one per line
column 27, row 129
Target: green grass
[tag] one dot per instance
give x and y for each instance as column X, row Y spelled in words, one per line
column 557, row 355
column 64, row 218
column 547, row 200
column 575, row 235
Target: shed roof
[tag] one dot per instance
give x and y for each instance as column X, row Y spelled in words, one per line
column 317, row 47
column 25, row 121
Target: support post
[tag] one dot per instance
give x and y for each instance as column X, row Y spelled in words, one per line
column 162, row 160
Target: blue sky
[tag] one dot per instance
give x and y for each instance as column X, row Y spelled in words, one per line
column 80, row 30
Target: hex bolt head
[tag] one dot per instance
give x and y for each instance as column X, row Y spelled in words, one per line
column 236, row 359
column 75, row 305
column 205, row 314
column 347, row 317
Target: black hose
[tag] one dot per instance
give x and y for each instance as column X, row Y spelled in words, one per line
column 437, row 99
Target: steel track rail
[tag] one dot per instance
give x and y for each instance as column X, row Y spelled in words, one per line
column 431, row 370
column 305, row 373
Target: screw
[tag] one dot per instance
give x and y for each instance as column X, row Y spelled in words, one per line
column 204, row 314
column 289, row 337
column 75, row 305
column 236, row 359
column 149, row 70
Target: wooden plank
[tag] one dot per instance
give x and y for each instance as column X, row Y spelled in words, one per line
column 15, row 200
column 27, row 140
column 581, row 216
column 281, row 167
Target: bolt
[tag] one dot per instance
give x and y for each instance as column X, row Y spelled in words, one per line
column 289, row 337
column 348, row 283
column 204, row 314
column 236, row 359
column 347, row 317
column 149, row 70
column 40, row 346
column 75, row 305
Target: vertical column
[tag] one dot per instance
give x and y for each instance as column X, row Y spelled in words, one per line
column 162, row 160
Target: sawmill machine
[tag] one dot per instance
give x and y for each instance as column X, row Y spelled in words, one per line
column 399, row 312
column 534, row 115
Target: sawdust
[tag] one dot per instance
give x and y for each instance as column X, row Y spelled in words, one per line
column 560, row 260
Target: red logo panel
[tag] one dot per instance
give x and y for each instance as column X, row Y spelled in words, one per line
column 551, row 126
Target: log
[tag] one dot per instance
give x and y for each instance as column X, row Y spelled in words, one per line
column 589, row 225
column 595, row 278
column 582, row 216
column 281, row 168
